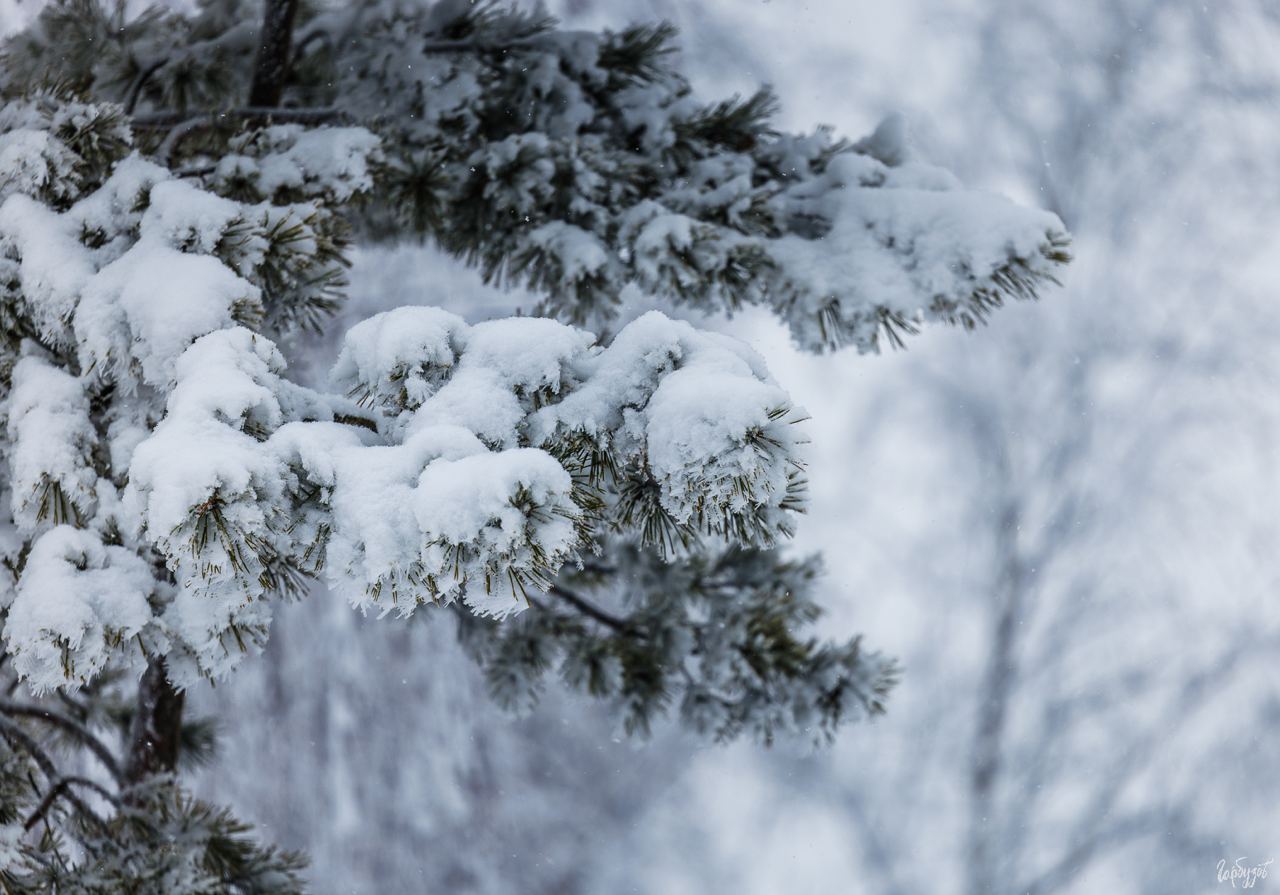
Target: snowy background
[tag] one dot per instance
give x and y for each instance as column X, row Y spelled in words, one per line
column 1065, row 524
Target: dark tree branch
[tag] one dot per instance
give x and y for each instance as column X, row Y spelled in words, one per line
column 78, row 710
column 316, row 35
column 480, row 46
column 168, row 118
column 587, row 608
column 135, row 89
column 182, row 125
column 272, row 67
column 15, row 734
column 169, row 147
column 155, row 733
column 363, row 422
column 63, row 786
column 76, row 729
column 197, row 171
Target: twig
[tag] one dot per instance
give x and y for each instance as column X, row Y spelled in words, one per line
column 466, row 46
column 590, row 609
column 63, row 786
column 347, row 419
column 16, row 734
column 82, row 733
column 196, row 171
column 135, row 89
column 182, row 127
column 178, row 133
column 167, row 118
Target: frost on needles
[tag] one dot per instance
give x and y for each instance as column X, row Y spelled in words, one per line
column 579, row 163
column 608, row 504
column 454, row 461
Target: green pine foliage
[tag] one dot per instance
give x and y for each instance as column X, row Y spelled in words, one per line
column 70, row 822
column 578, row 164
column 716, row 640
column 573, row 163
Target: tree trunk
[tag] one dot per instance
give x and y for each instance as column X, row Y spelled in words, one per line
column 993, row 709
column 272, row 66
column 155, row 734
column 156, row 731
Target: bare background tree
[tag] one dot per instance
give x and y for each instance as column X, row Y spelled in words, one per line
column 1082, row 579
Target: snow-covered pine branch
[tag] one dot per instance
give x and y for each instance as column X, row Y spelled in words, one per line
column 718, row 637
column 490, row 455
column 163, row 237
column 581, row 163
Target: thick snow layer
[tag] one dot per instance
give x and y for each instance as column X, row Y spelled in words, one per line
column 452, row 487
column 290, row 159
column 133, row 282
column 504, row 363
column 54, row 266
column 182, row 215
column 200, row 450
column 399, row 357
column 471, row 504
column 698, row 408
column 50, row 437
column 31, row 161
column 911, row 244
column 578, row 252
column 699, row 422
column 449, row 465
column 597, row 184
column 115, row 209
column 79, row 604
column 153, row 302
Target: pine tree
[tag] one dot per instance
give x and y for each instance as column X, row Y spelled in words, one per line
column 610, row 505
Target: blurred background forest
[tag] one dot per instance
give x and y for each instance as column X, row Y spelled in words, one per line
column 1066, row 525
